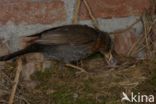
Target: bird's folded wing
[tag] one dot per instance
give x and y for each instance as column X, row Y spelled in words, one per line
column 64, row 39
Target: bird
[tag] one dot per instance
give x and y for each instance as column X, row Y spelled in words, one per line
column 67, row 43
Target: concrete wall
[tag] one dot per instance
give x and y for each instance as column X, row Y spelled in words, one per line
column 26, row 17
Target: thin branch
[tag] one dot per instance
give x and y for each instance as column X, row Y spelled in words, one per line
column 76, row 67
column 75, row 16
column 134, row 46
column 16, row 80
column 95, row 23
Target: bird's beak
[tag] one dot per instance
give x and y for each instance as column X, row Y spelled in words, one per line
column 111, row 61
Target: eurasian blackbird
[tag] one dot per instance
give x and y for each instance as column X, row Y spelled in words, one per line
column 67, row 43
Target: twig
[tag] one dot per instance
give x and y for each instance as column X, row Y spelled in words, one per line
column 141, row 49
column 145, row 37
column 75, row 16
column 95, row 23
column 76, row 67
column 140, row 40
column 145, row 22
column 16, row 80
column 129, row 84
column 148, row 25
column 18, row 97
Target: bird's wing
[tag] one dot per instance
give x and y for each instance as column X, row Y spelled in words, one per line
column 68, row 35
column 64, row 39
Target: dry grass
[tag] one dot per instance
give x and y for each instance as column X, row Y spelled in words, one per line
column 65, row 86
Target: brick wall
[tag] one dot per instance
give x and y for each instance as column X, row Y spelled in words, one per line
column 25, row 17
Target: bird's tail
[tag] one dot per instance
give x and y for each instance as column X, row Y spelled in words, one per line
column 31, row 48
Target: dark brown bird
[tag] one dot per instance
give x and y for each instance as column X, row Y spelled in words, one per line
column 67, row 43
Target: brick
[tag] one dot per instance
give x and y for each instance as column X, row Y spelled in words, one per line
column 31, row 12
column 114, row 8
column 124, row 41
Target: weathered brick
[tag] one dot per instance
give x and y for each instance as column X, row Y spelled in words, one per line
column 31, row 12
column 124, row 41
column 114, row 8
